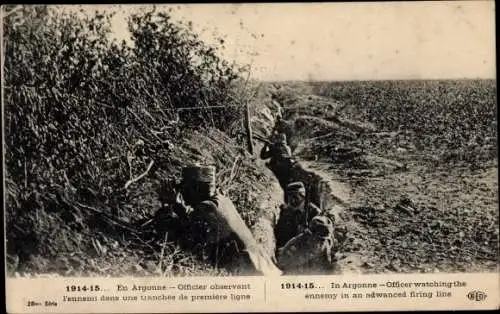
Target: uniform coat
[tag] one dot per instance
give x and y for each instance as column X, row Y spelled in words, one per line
column 292, row 222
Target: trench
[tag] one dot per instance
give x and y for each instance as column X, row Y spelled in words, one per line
column 335, row 197
column 322, row 189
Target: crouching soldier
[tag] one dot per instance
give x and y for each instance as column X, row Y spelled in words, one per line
column 213, row 227
column 295, row 215
column 281, row 160
column 311, row 251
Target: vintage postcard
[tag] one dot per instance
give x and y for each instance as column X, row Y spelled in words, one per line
column 263, row 157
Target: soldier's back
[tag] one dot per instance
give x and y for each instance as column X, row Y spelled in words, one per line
column 306, row 254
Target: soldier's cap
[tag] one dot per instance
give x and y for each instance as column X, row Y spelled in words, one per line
column 297, row 187
column 198, row 174
column 321, row 226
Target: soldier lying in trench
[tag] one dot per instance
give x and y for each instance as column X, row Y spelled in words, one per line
column 208, row 223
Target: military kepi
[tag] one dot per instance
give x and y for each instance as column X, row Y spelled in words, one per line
column 296, row 187
column 198, row 174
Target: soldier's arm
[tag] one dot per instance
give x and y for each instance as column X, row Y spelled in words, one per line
column 265, row 152
column 171, row 199
column 282, row 215
column 181, row 209
column 280, row 227
column 163, row 213
column 313, row 211
column 281, row 212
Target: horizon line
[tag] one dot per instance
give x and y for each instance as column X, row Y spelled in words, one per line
column 374, row 80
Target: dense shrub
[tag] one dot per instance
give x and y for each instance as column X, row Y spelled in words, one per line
column 74, row 97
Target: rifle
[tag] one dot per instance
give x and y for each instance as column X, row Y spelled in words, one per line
column 262, row 139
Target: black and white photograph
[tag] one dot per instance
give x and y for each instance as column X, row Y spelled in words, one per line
column 250, row 139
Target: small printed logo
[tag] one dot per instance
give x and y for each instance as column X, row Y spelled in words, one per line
column 476, row 296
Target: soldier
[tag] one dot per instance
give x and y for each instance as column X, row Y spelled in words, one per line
column 280, row 126
column 310, row 252
column 277, row 107
column 277, row 150
column 213, row 227
column 281, row 160
column 287, row 128
column 295, row 215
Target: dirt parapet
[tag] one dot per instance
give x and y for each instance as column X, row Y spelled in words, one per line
column 263, row 228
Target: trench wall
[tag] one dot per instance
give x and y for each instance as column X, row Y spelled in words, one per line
column 318, row 191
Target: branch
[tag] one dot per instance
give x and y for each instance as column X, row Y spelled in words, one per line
column 117, row 222
column 7, row 13
column 312, row 139
column 144, row 124
column 233, row 173
column 129, row 182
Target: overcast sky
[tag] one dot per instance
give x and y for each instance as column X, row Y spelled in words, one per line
column 349, row 41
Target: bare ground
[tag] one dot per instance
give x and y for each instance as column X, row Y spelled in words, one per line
column 385, row 237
